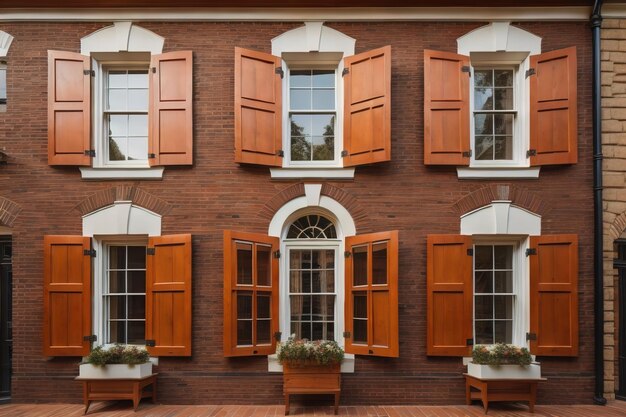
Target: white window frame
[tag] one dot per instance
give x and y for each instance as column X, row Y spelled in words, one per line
column 3, row 68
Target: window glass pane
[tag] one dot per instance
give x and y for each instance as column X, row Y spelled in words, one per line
column 323, row 78
column 117, row 332
column 263, row 265
column 263, row 332
column 138, row 125
column 117, row 149
column 323, row 307
column 323, row 148
column 503, row 257
column 504, row 282
column 324, row 281
column 483, row 124
column 327, row 257
column 300, row 148
column 301, row 125
column 503, row 124
column 379, row 263
column 359, row 264
column 136, row 257
column 504, row 148
column 117, row 100
column 117, row 307
column 263, row 306
column 503, row 78
column 484, row 332
column 322, row 124
column 300, row 99
column 138, row 79
column 300, row 78
column 138, row 99
column 483, row 307
column 482, row 78
column 484, row 148
column 244, row 263
column 118, row 125
column 296, row 303
column 3, row 83
column 244, row 332
column 136, row 306
column 360, row 305
column 117, row 257
column 503, row 332
column 137, row 282
column 117, row 281
column 503, row 306
column 117, row 79
column 323, row 99
column 483, row 257
column 301, row 281
column 483, row 99
column 504, row 98
column 302, row 330
column 483, row 282
column 305, row 314
column 137, row 149
column 136, row 332
column 244, row 305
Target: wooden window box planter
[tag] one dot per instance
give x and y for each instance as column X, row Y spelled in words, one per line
column 118, row 389
column 501, row 389
column 307, row 378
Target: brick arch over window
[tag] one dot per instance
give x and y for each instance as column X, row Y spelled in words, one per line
column 8, row 211
column 341, row 196
column 130, row 193
column 617, row 229
column 518, row 196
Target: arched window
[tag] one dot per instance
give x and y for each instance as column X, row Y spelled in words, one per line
column 312, row 226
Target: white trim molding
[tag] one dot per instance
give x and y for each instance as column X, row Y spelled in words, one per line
column 122, row 37
column 502, row 173
column 5, row 43
column 155, row 173
column 296, row 14
column 291, row 173
column 501, row 218
column 122, row 218
column 498, row 37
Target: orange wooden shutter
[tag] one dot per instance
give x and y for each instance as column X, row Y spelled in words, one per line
column 258, row 108
column 67, row 295
column 449, row 302
column 367, row 107
column 168, row 295
column 553, row 108
column 554, row 295
column 171, row 109
column 446, row 109
column 69, row 109
column 371, row 305
column 250, row 294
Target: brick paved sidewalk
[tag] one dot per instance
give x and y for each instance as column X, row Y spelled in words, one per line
column 146, row 409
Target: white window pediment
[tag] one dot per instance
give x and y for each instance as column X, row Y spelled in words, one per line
column 122, row 37
column 501, row 218
column 122, row 218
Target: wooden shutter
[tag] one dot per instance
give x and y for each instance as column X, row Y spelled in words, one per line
column 553, row 108
column 446, row 108
column 250, row 294
column 69, row 109
column 554, row 295
column 67, row 295
column 170, row 133
column 367, row 107
column 449, row 303
column 258, row 108
column 371, row 305
column 168, row 295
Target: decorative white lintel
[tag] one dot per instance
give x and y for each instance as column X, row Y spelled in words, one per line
column 466, row 173
column 501, row 218
column 122, row 218
column 122, row 36
column 312, row 193
column 498, row 37
column 321, row 173
column 5, row 43
column 121, row 173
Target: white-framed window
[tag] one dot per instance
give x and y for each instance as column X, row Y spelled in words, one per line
column 3, row 85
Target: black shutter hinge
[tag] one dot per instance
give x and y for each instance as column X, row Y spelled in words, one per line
column 345, row 72
column 90, row 152
column 89, row 72
column 467, row 154
column 530, row 72
column 91, row 338
column 469, row 342
column 344, row 154
column 150, row 251
column 531, row 336
column 151, row 156
column 465, row 68
column 347, row 254
column 151, row 343
column 277, row 336
column 279, row 70
column 90, row 252
column 154, row 72
column 531, row 251
column 277, row 254
column 470, row 252
column 346, row 335
column 531, row 152
column 280, row 153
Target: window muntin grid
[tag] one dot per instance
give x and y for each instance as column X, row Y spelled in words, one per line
column 312, row 226
column 312, row 115
column 126, row 115
column 124, row 294
column 3, row 83
column 494, row 295
column 494, row 114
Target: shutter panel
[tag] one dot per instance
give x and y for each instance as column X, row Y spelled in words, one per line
column 171, row 109
column 258, row 108
column 250, row 294
column 367, row 107
column 446, row 109
column 553, row 108
column 371, row 305
column 168, row 295
column 69, row 109
column 449, row 301
column 554, row 295
column 67, row 296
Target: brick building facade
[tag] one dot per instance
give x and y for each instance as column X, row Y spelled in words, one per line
column 214, row 193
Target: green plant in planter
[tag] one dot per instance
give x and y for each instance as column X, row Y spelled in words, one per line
column 320, row 352
column 118, row 354
column 501, row 354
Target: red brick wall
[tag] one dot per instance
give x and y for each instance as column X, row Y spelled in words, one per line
column 217, row 194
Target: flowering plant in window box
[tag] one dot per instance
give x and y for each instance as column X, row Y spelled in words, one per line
column 503, row 361
column 118, row 361
column 302, row 351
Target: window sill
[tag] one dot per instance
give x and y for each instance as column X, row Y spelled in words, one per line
column 330, row 173
column 491, row 173
column 347, row 366
column 121, row 173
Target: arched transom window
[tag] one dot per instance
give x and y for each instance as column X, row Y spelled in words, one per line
column 312, row 226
